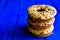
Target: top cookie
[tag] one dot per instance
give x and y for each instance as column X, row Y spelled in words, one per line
column 41, row 11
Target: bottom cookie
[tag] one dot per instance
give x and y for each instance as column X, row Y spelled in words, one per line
column 44, row 35
column 41, row 33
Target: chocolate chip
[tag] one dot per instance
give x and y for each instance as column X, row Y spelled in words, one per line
column 45, row 17
column 41, row 33
column 49, row 9
column 53, row 10
column 32, row 13
column 45, row 24
column 47, row 31
column 33, row 10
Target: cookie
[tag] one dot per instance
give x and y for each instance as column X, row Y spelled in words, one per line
column 43, row 35
column 42, row 12
column 41, row 31
column 41, row 23
column 36, row 27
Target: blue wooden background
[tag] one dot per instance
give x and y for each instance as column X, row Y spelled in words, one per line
column 13, row 19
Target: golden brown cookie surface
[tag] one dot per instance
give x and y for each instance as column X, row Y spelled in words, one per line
column 41, row 11
column 43, row 31
column 41, row 23
column 43, row 35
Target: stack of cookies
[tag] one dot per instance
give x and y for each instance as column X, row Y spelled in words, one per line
column 41, row 19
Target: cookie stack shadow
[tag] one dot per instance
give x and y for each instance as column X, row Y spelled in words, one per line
column 39, row 27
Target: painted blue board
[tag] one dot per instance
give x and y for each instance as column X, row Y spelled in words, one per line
column 9, row 10
column 13, row 19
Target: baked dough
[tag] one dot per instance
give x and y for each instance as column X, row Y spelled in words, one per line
column 41, row 23
column 41, row 11
column 43, row 32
